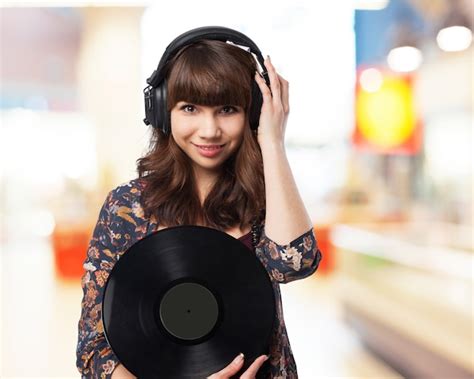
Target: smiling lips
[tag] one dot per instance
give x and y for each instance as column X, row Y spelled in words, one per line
column 209, row 151
column 209, row 147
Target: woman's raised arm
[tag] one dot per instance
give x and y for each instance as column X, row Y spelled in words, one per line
column 288, row 246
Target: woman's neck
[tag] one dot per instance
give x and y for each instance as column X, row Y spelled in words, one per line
column 204, row 184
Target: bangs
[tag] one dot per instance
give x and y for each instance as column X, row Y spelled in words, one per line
column 211, row 73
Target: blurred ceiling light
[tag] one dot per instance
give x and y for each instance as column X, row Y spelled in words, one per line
column 404, row 58
column 455, row 33
column 371, row 5
column 454, row 38
column 371, row 80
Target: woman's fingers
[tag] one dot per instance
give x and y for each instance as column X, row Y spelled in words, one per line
column 251, row 372
column 284, row 94
column 230, row 369
column 279, row 88
column 266, row 93
column 235, row 366
column 273, row 76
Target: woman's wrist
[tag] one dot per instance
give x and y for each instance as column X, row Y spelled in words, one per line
column 272, row 146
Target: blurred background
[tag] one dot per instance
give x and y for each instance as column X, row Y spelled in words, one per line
column 379, row 139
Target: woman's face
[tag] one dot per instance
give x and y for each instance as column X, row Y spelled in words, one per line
column 208, row 135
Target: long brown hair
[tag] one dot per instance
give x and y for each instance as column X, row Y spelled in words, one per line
column 210, row 73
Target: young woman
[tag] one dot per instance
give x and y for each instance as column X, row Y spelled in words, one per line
column 211, row 170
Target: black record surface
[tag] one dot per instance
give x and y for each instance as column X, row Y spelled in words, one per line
column 184, row 301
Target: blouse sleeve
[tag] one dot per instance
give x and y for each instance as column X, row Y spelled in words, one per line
column 296, row 260
column 95, row 358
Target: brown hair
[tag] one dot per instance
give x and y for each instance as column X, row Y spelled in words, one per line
column 209, row 73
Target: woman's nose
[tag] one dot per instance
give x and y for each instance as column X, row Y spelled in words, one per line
column 209, row 127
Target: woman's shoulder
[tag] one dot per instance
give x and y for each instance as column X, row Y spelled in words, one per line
column 124, row 202
column 121, row 220
column 128, row 191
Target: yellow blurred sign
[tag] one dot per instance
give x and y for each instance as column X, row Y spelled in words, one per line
column 386, row 119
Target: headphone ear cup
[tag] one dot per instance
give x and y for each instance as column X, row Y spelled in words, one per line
column 150, row 106
column 161, row 113
column 255, row 107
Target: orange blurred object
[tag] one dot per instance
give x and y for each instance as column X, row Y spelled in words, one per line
column 70, row 246
column 322, row 232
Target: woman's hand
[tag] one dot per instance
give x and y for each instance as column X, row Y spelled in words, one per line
column 235, row 366
column 121, row 372
column 275, row 107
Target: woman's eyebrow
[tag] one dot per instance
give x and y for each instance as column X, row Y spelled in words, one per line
column 183, row 102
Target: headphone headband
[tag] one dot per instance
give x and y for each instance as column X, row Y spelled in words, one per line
column 219, row 33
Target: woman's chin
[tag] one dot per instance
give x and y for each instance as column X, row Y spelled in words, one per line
column 210, row 167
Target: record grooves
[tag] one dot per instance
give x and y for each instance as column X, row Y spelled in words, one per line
column 184, row 301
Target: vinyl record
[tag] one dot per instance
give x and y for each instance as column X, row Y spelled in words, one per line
column 184, row 301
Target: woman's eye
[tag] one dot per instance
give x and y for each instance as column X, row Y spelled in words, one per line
column 229, row 109
column 188, row 108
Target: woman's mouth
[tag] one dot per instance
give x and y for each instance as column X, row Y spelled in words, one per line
column 209, row 151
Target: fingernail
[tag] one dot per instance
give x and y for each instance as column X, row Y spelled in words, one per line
column 239, row 358
column 266, row 357
column 268, row 57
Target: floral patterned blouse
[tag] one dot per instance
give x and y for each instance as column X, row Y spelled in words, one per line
column 121, row 223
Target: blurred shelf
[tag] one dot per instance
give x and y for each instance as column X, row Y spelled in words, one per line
column 410, row 303
column 393, row 244
column 446, row 338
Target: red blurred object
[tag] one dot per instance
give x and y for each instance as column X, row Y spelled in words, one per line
column 322, row 232
column 70, row 246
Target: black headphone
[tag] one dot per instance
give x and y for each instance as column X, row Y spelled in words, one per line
column 156, row 112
